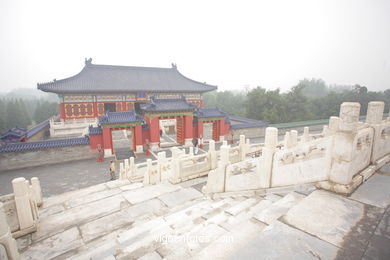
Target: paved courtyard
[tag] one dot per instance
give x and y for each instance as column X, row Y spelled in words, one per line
column 123, row 220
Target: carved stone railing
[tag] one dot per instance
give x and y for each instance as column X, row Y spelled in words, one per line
column 344, row 155
column 22, row 206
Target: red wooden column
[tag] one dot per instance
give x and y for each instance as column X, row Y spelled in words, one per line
column 107, row 142
column 154, row 126
column 95, row 110
column 200, row 129
column 62, row 110
column 188, row 131
column 138, row 139
column 223, row 129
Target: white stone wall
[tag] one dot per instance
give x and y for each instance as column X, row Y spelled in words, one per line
column 18, row 160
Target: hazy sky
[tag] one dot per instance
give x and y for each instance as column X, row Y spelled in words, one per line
column 231, row 44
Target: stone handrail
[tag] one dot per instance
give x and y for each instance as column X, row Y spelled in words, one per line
column 345, row 154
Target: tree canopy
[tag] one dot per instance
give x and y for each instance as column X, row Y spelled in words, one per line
column 310, row 99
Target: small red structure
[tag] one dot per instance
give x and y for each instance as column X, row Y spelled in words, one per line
column 101, row 153
column 147, row 147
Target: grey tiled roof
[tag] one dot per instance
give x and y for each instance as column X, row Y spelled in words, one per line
column 33, row 131
column 179, row 104
column 124, row 79
column 16, row 132
column 26, row 146
column 120, row 117
column 209, row 112
column 246, row 123
column 95, row 130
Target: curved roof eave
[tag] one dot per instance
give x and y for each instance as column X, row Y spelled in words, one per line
column 57, row 86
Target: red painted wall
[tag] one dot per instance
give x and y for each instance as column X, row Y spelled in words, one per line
column 94, row 140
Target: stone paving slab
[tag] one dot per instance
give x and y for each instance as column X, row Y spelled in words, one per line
column 55, row 245
column 379, row 247
column 59, row 199
column 91, row 197
column 325, row 215
column 179, row 197
column 106, row 224
column 149, row 192
column 150, row 256
column 375, row 191
column 278, row 208
column 279, row 241
column 78, row 215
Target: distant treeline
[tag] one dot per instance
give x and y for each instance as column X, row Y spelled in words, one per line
column 309, row 100
column 24, row 112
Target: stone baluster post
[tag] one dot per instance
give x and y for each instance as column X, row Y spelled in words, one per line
column 216, row 178
column 22, row 201
column 191, row 151
column 294, row 137
column 343, row 144
column 212, row 155
column 37, row 191
column 306, row 135
column 162, row 166
column 374, row 118
column 132, row 168
column 242, row 146
column 349, row 116
column 127, row 168
column 334, row 123
column 147, row 172
column 33, row 203
column 375, row 112
column 325, row 130
column 6, row 239
column 266, row 159
column 287, row 140
column 175, row 165
column 122, row 173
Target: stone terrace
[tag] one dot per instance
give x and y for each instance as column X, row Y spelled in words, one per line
column 123, row 220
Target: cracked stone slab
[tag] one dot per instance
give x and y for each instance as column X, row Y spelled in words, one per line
column 59, row 199
column 149, row 192
column 91, row 197
column 51, row 210
column 77, row 216
column 375, row 191
column 179, row 197
column 278, row 208
column 151, row 256
column 55, row 245
column 379, row 246
column 326, row 215
column 279, row 241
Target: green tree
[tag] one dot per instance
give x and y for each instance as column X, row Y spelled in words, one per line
column 45, row 110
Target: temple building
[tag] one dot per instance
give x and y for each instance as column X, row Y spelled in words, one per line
column 145, row 106
column 97, row 89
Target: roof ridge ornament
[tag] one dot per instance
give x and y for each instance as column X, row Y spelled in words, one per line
column 88, row 61
column 174, row 66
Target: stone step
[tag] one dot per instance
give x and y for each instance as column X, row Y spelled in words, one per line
column 241, row 206
column 272, row 212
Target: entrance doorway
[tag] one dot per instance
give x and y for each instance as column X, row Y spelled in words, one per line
column 122, row 141
column 137, row 107
column 109, row 107
column 207, row 131
column 168, row 128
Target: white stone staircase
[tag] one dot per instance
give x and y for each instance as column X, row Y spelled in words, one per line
column 159, row 221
